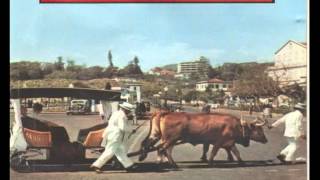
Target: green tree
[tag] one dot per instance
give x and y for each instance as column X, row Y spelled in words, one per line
column 47, row 68
column 59, row 64
column 71, row 66
column 25, row 70
column 136, row 61
column 296, row 92
column 191, row 95
column 110, row 59
column 132, row 69
column 194, row 77
column 208, row 89
column 90, row 73
column 231, row 71
column 256, row 83
column 110, row 72
column 213, row 72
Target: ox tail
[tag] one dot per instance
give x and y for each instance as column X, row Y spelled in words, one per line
column 149, row 133
column 146, row 141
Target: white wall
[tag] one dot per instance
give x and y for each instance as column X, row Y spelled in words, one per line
column 290, row 64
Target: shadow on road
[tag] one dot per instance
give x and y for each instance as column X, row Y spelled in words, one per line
column 143, row 168
column 235, row 164
column 152, row 166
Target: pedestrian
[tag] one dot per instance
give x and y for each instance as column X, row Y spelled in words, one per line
column 206, row 108
column 37, row 108
column 104, row 107
column 250, row 108
column 113, row 136
column 24, row 111
column 293, row 132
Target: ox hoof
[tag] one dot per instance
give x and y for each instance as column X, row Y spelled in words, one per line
column 142, row 157
column 175, row 168
column 171, row 166
column 164, row 164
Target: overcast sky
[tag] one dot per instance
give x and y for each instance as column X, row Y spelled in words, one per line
column 158, row 34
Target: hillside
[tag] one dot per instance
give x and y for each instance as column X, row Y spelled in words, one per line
column 172, row 67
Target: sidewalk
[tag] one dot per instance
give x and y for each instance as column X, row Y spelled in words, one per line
column 244, row 112
column 235, row 112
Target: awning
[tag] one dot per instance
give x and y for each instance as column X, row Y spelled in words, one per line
column 80, row 93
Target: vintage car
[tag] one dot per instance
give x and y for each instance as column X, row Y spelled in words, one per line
column 79, row 106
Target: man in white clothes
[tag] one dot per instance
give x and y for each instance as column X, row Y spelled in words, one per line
column 293, row 131
column 114, row 137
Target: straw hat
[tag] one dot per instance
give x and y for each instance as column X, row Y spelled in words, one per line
column 300, row 106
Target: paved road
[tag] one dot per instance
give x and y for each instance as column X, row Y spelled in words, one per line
column 261, row 163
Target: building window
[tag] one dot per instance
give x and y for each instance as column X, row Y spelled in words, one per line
column 224, row 86
column 217, row 86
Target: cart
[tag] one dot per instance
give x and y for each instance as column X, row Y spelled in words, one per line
column 31, row 136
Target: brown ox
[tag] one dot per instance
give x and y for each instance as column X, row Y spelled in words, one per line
column 220, row 130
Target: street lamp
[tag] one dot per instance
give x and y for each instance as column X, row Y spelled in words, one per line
column 165, row 96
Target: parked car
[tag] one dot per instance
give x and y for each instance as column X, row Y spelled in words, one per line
column 79, row 106
column 214, row 105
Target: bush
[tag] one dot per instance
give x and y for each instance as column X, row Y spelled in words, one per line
column 62, row 75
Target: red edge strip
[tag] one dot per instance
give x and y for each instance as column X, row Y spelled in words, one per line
column 155, row 1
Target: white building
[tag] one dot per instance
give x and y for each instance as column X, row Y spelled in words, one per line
column 214, row 85
column 290, row 64
column 132, row 92
column 199, row 67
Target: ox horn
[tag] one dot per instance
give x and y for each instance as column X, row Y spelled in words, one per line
column 262, row 123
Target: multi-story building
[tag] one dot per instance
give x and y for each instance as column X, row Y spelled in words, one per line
column 214, row 85
column 198, row 67
column 290, row 64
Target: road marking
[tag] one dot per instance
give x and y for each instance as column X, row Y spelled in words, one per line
column 246, row 169
column 272, row 170
column 226, row 169
column 294, row 169
column 137, row 139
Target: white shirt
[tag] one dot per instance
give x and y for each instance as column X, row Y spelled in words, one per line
column 293, row 124
column 118, row 120
column 116, row 128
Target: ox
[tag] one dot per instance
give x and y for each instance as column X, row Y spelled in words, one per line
column 220, row 130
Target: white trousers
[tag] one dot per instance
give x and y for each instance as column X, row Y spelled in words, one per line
column 116, row 148
column 290, row 149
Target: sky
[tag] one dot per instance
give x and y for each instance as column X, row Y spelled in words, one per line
column 158, row 34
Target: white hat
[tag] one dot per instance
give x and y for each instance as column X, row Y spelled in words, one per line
column 300, row 106
column 127, row 106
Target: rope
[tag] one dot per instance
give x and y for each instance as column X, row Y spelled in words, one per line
column 135, row 129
